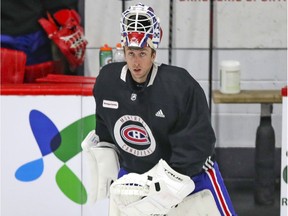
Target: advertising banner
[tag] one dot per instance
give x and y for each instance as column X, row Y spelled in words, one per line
column 42, row 167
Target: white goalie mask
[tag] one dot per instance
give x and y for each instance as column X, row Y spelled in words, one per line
column 140, row 27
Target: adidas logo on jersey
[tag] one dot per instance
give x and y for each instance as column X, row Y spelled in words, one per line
column 160, row 114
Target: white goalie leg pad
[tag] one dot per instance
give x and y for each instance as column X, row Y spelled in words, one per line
column 152, row 193
column 113, row 208
column 104, row 166
column 201, row 203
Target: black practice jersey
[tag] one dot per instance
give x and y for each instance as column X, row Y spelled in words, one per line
column 167, row 117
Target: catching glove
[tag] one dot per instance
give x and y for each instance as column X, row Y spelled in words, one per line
column 153, row 193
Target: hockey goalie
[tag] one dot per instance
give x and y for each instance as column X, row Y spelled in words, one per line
column 153, row 132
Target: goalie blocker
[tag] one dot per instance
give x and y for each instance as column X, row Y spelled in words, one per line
column 103, row 162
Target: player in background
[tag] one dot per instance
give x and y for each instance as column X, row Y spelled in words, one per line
column 27, row 31
column 157, row 119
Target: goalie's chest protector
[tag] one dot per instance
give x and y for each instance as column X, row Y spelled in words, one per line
column 140, row 122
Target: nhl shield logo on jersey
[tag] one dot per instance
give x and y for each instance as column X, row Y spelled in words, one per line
column 134, row 136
